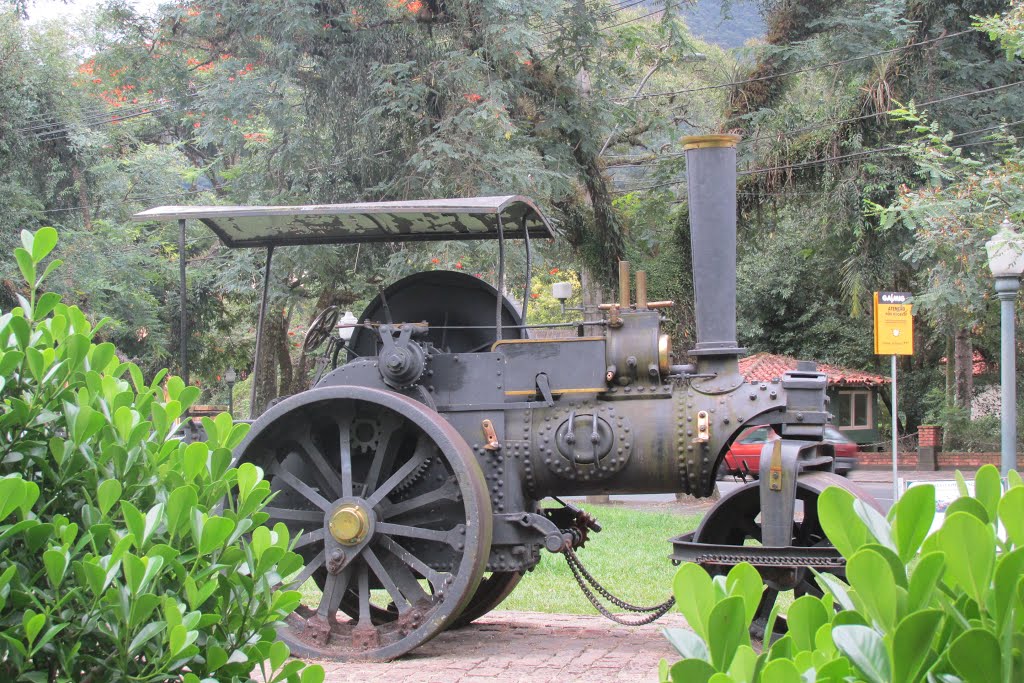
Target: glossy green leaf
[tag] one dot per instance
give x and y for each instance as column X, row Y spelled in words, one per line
column 694, row 596
column 924, row 579
column 870, row 576
column 976, row 657
column 912, row 518
column 1009, row 570
column 911, row 644
column 26, row 266
column 866, row 651
column 687, row 643
column 970, row 506
column 844, row 529
column 806, row 615
column 780, row 671
column 877, row 524
column 743, row 580
column 727, row 630
column 43, row 242
column 56, row 562
column 692, row 671
column 969, row 545
column 215, row 533
column 1011, row 514
column 108, row 493
column 988, row 487
column 1013, row 479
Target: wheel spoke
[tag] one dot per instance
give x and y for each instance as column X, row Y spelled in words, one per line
column 313, row 565
column 384, row 454
column 419, row 456
column 319, row 460
column 315, row 536
column 334, row 589
column 289, row 515
column 396, row 595
column 435, row 578
column 345, row 452
column 449, row 537
column 449, row 491
column 405, row 580
column 364, row 595
column 301, row 487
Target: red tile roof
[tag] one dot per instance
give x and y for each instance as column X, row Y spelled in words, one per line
column 980, row 365
column 763, row 367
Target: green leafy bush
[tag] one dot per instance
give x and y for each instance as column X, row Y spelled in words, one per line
column 124, row 554
column 944, row 606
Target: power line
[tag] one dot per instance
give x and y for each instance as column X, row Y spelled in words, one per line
column 827, row 124
column 794, row 71
column 621, row 7
column 817, row 162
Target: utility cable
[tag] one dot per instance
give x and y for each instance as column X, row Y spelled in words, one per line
column 828, row 124
column 817, row 162
column 805, row 69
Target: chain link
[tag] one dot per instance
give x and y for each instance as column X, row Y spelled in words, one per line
column 583, row 577
column 765, row 560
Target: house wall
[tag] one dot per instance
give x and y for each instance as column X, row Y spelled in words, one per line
column 861, row 435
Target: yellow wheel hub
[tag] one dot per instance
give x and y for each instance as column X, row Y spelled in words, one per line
column 349, row 524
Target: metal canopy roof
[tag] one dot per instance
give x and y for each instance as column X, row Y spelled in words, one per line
column 474, row 218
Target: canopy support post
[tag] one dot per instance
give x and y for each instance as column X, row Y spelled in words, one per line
column 501, row 279
column 183, row 294
column 259, row 333
column 526, row 289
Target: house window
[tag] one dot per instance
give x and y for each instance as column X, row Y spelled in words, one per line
column 852, row 409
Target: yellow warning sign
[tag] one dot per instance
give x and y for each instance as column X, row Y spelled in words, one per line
column 894, row 324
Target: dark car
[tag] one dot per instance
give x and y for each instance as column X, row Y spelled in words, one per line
column 744, row 456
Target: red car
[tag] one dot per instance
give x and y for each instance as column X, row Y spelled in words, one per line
column 744, row 457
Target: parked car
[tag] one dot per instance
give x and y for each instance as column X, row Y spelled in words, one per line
column 744, row 456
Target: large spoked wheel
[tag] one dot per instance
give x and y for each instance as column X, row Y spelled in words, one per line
column 394, row 516
column 489, row 594
column 735, row 519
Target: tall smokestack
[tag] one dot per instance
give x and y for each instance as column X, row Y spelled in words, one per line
column 711, row 186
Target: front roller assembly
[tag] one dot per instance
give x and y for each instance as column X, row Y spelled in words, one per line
column 393, row 512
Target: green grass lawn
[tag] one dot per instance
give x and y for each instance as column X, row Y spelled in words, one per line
column 629, row 557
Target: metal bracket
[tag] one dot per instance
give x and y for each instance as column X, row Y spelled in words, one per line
column 703, row 427
column 492, row 438
column 528, row 527
column 780, row 465
column 544, row 387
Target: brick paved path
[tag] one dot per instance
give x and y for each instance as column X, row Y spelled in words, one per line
column 527, row 646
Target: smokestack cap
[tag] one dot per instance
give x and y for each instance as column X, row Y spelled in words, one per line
column 705, row 141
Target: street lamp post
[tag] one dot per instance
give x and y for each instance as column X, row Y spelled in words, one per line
column 231, row 377
column 1006, row 260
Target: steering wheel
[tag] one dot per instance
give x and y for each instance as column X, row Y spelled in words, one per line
column 320, row 329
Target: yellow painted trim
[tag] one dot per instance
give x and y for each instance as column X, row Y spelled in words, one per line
column 502, row 342
column 704, row 141
column 531, row 392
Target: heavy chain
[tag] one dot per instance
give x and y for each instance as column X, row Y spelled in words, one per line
column 765, row 560
column 583, row 578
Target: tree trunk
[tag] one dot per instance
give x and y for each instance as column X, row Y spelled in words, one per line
column 590, row 295
column 300, row 377
column 284, row 359
column 947, row 439
column 963, row 370
column 265, row 374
